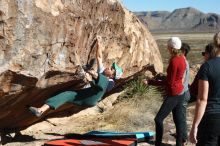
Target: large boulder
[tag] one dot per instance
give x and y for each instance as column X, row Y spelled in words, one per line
column 43, row 42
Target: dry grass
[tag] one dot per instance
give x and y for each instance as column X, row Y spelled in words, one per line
column 135, row 110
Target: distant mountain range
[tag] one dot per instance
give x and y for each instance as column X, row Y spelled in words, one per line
column 180, row 20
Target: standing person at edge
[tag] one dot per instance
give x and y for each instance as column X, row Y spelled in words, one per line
column 185, row 50
column 205, row 129
column 208, row 54
column 174, row 91
column 103, row 81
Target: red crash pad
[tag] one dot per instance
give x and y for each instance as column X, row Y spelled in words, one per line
column 93, row 142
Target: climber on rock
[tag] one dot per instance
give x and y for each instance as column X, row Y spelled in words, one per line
column 101, row 81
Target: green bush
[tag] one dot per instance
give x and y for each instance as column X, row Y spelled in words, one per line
column 136, row 87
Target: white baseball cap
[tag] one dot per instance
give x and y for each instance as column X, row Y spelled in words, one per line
column 174, row 42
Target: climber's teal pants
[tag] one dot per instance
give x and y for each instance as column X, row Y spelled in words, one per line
column 85, row 97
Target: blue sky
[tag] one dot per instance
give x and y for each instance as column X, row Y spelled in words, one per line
column 169, row 5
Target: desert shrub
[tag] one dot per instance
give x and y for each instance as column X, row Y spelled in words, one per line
column 136, row 89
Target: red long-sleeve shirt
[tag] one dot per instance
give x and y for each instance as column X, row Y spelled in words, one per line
column 175, row 73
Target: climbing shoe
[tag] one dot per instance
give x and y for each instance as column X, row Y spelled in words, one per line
column 35, row 111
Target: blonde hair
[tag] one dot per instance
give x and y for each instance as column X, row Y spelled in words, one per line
column 216, row 40
column 176, row 52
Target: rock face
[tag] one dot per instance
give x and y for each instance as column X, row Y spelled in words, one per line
column 43, row 42
column 180, row 20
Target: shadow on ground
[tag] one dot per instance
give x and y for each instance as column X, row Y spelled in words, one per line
column 163, row 144
column 21, row 138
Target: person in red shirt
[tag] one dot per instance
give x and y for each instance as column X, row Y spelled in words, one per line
column 174, row 91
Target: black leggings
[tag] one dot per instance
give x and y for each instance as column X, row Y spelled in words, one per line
column 174, row 104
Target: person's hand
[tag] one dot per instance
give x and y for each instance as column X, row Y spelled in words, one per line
column 193, row 135
column 88, row 77
column 145, row 81
column 93, row 73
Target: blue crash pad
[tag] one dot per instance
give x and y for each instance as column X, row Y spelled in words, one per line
column 140, row 136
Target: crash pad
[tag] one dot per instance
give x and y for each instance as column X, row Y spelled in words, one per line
column 93, row 142
column 139, row 136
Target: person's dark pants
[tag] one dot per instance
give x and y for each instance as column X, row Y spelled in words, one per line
column 184, row 108
column 209, row 131
column 174, row 104
column 85, row 97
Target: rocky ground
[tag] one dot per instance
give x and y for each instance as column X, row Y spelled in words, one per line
column 125, row 115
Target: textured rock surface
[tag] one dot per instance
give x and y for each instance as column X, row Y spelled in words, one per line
column 42, row 43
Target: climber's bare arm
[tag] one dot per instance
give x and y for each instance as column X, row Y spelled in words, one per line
column 99, row 53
